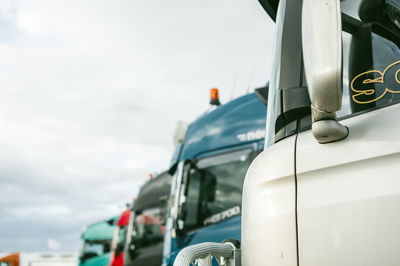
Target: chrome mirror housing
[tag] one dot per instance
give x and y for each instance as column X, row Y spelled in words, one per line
column 322, row 53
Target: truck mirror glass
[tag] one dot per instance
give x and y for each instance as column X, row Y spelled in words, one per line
column 322, row 52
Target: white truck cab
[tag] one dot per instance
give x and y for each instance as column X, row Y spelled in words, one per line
column 329, row 194
column 326, row 189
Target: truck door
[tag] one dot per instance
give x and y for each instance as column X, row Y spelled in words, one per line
column 269, row 232
column 348, row 192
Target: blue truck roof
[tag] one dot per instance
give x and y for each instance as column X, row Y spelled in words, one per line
column 236, row 122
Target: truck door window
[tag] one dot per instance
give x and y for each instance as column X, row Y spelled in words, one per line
column 213, row 189
column 147, row 231
column 371, row 56
column 371, row 64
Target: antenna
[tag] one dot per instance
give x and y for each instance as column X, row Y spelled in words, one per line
column 253, row 69
column 234, row 84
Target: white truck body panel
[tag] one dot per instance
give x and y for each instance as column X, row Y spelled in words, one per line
column 269, row 230
column 349, row 193
column 348, row 198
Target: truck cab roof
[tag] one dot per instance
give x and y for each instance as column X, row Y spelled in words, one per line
column 153, row 192
column 103, row 230
column 236, row 122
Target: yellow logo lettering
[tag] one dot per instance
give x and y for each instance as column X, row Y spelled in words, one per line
column 367, row 83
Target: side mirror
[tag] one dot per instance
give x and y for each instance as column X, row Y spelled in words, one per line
column 322, row 52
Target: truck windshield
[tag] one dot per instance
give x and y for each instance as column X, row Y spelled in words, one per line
column 212, row 189
column 95, row 248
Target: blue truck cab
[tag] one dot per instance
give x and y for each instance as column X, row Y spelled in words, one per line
column 208, row 169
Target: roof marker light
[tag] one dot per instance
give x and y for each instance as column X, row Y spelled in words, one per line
column 214, row 97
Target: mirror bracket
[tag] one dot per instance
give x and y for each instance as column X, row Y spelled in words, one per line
column 326, row 128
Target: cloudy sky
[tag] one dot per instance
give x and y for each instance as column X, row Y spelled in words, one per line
column 90, row 91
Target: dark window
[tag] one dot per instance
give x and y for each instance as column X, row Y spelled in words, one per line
column 212, row 189
column 371, row 60
column 147, row 228
column 95, row 248
column 146, row 241
column 371, row 56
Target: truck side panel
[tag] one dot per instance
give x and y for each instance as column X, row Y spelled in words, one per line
column 269, row 230
column 349, row 194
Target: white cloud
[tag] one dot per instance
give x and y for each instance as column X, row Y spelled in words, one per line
column 40, row 211
column 7, row 9
column 90, row 93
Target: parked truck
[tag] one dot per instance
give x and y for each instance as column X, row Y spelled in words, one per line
column 53, row 260
column 208, row 170
column 138, row 239
column 326, row 190
column 119, row 239
column 96, row 243
column 10, row 260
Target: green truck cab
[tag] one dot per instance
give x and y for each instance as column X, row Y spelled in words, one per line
column 96, row 244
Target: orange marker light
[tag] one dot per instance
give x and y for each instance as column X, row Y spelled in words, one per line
column 214, row 97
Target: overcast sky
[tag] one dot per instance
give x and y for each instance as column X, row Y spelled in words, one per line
column 90, row 91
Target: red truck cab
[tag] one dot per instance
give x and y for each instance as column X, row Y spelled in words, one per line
column 117, row 247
